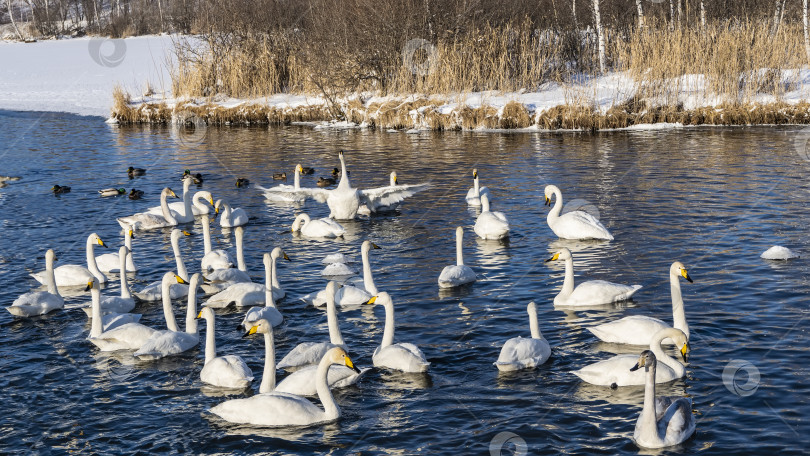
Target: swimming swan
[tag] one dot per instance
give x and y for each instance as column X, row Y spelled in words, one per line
column 474, row 194
column 36, row 303
column 117, row 304
column 154, row 291
column 72, row 275
column 490, row 225
column 307, row 353
column 269, row 311
column 148, row 221
column 403, row 357
column 108, row 262
column 616, row 371
column 198, row 204
column 231, row 217
column 665, row 420
column 171, row 341
column 590, row 293
column 229, row 371
column 212, row 259
column 353, row 294
column 318, row 228
column 460, row 274
column 639, row 329
column 283, row 409
column 220, row 279
column 575, row 224
column 521, row 352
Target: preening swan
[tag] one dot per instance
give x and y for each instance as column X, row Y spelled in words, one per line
column 117, row 304
column 71, row 275
column 229, row 371
column 171, row 341
column 318, row 228
column 575, row 224
column 403, row 357
column 148, row 221
column 522, row 353
column 36, row 303
column 490, row 225
column 130, row 336
column 665, row 420
column 616, row 371
column 108, row 262
column 460, row 274
column 231, row 217
column 269, row 312
column 352, row 294
column 283, row 409
column 474, row 194
column 640, row 329
column 154, row 291
column 307, row 353
column 590, row 293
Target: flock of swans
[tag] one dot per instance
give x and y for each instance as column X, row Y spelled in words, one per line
column 316, row 367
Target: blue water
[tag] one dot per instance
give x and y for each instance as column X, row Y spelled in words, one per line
column 713, row 199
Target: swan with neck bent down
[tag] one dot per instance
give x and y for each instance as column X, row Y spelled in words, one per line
column 72, row 275
column 590, row 293
column 36, row 303
column 639, row 329
column 574, row 224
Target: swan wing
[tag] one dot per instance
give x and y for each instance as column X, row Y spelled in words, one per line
column 232, row 275
column 35, row 303
column 616, row 370
column 582, row 206
column 521, row 352
column 404, row 357
column 580, row 225
column 304, row 354
column 598, row 292
column 453, row 276
column 271, row 409
column 130, row 336
column 216, row 259
column 114, row 320
column 116, row 304
column 634, row 329
column 678, row 421
column 241, row 294
column 271, row 314
column 491, row 225
column 386, row 196
column 166, row 343
column 228, row 371
column 153, row 291
column 288, row 193
column 302, row 381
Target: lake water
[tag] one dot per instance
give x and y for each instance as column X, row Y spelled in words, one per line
column 712, row 198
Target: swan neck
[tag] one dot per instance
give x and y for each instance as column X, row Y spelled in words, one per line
column 206, row 229
column 168, row 312
column 484, row 204
column 678, row 313
column 344, row 177
column 125, row 293
column 554, row 214
column 178, row 259
column 187, row 200
column 210, row 340
column 534, row 326
column 90, row 252
column 568, row 283
column 459, row 250
column 50, row 277
column 191, row 309
column 164, row 209
column 96, row 325
column 335, row 336
column 297, row 180
column 274, row 273
column 269, row 273
column 476, row 187
column 663, row 357
column 647, row 421
column 269, row 375
column 240, row 251
column 388, row 332
column 130, row 259
column 330, row 408
column 368, row 279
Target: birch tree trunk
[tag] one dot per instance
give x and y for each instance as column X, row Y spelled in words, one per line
column 640, row 14
column 775, row 24
column 600, row 35
column 574, row 10
column 806, row 36
column 672, row 14
column 680, row 13
column 702, row 14
column 14, row 24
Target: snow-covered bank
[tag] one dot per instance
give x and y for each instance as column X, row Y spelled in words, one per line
column 78, row 75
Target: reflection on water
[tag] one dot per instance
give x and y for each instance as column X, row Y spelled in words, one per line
column 694, row 195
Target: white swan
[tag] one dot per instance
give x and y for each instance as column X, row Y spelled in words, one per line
column 40, row 302
column 283, row 409
column 130, row 336
column 403, row 357
column 172, row 341
column 639, row 329
column 231, row 217
column 460, row 274
column 275, row 254
column 212, row 259
column 338, row 269
column 522, row 353
column 229, row 371
column 199, row 202
column 664, row 421
column 117, row 304
column 474, row 194
column 307, row 353
column 352, row 294
column 778, row 252
column 303, row 382
column 293, row 193
column 269, row 312
column 373, row 205
column 108, row 262
column 220, row 279
column 490, row 225
column 72, row 275
column 318, row 228
column 616, row 371
column 181, row 212
column 154, row 291
column 148, row 221
column 575, row 224
column 590, row 293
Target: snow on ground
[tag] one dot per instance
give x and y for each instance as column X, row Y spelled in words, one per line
column 78, row 75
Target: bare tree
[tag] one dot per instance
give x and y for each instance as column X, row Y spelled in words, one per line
column 806, row 36
column 14, row 24
column 702, row 14
column 672, row 14
column 640, row 14
column 600, row 35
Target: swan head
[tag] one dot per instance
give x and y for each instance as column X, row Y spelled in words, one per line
column 368, row 245
column 169, row 192
column 484, row 203
column 205, row 312
column 532, row 308
column 92, row 285
column 550, row 191
column 393, row 178
column 300, row 219
column 278, row 253
column 95, row 239
column 217, row 205
column 299, row 169
column 170, row 278
column 645, row 360
column 50, row 256
column 678, row 269
column 562, row 254
column 131, row 232
column 382, row 298
column 194, row 281
column 260, row 326
column 475, row 174
column 338, row 355
column 177, row 234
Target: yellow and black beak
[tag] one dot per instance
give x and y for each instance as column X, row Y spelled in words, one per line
column 251, row 331
column 101, row 243
column 131, row 233
column 188, row 233
column 395, row 180
column 375, row 246
column 548, row 201
column 475, row 174
column 180, row 280
column 685, row 352
column 171, row 192
column 89, row 286
column 199, row 315
column 638, row 365
column 350, row 364
column 554, row 258
column 286, row 257
column 371, row 301
column 686, row 275
column 211, row 201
